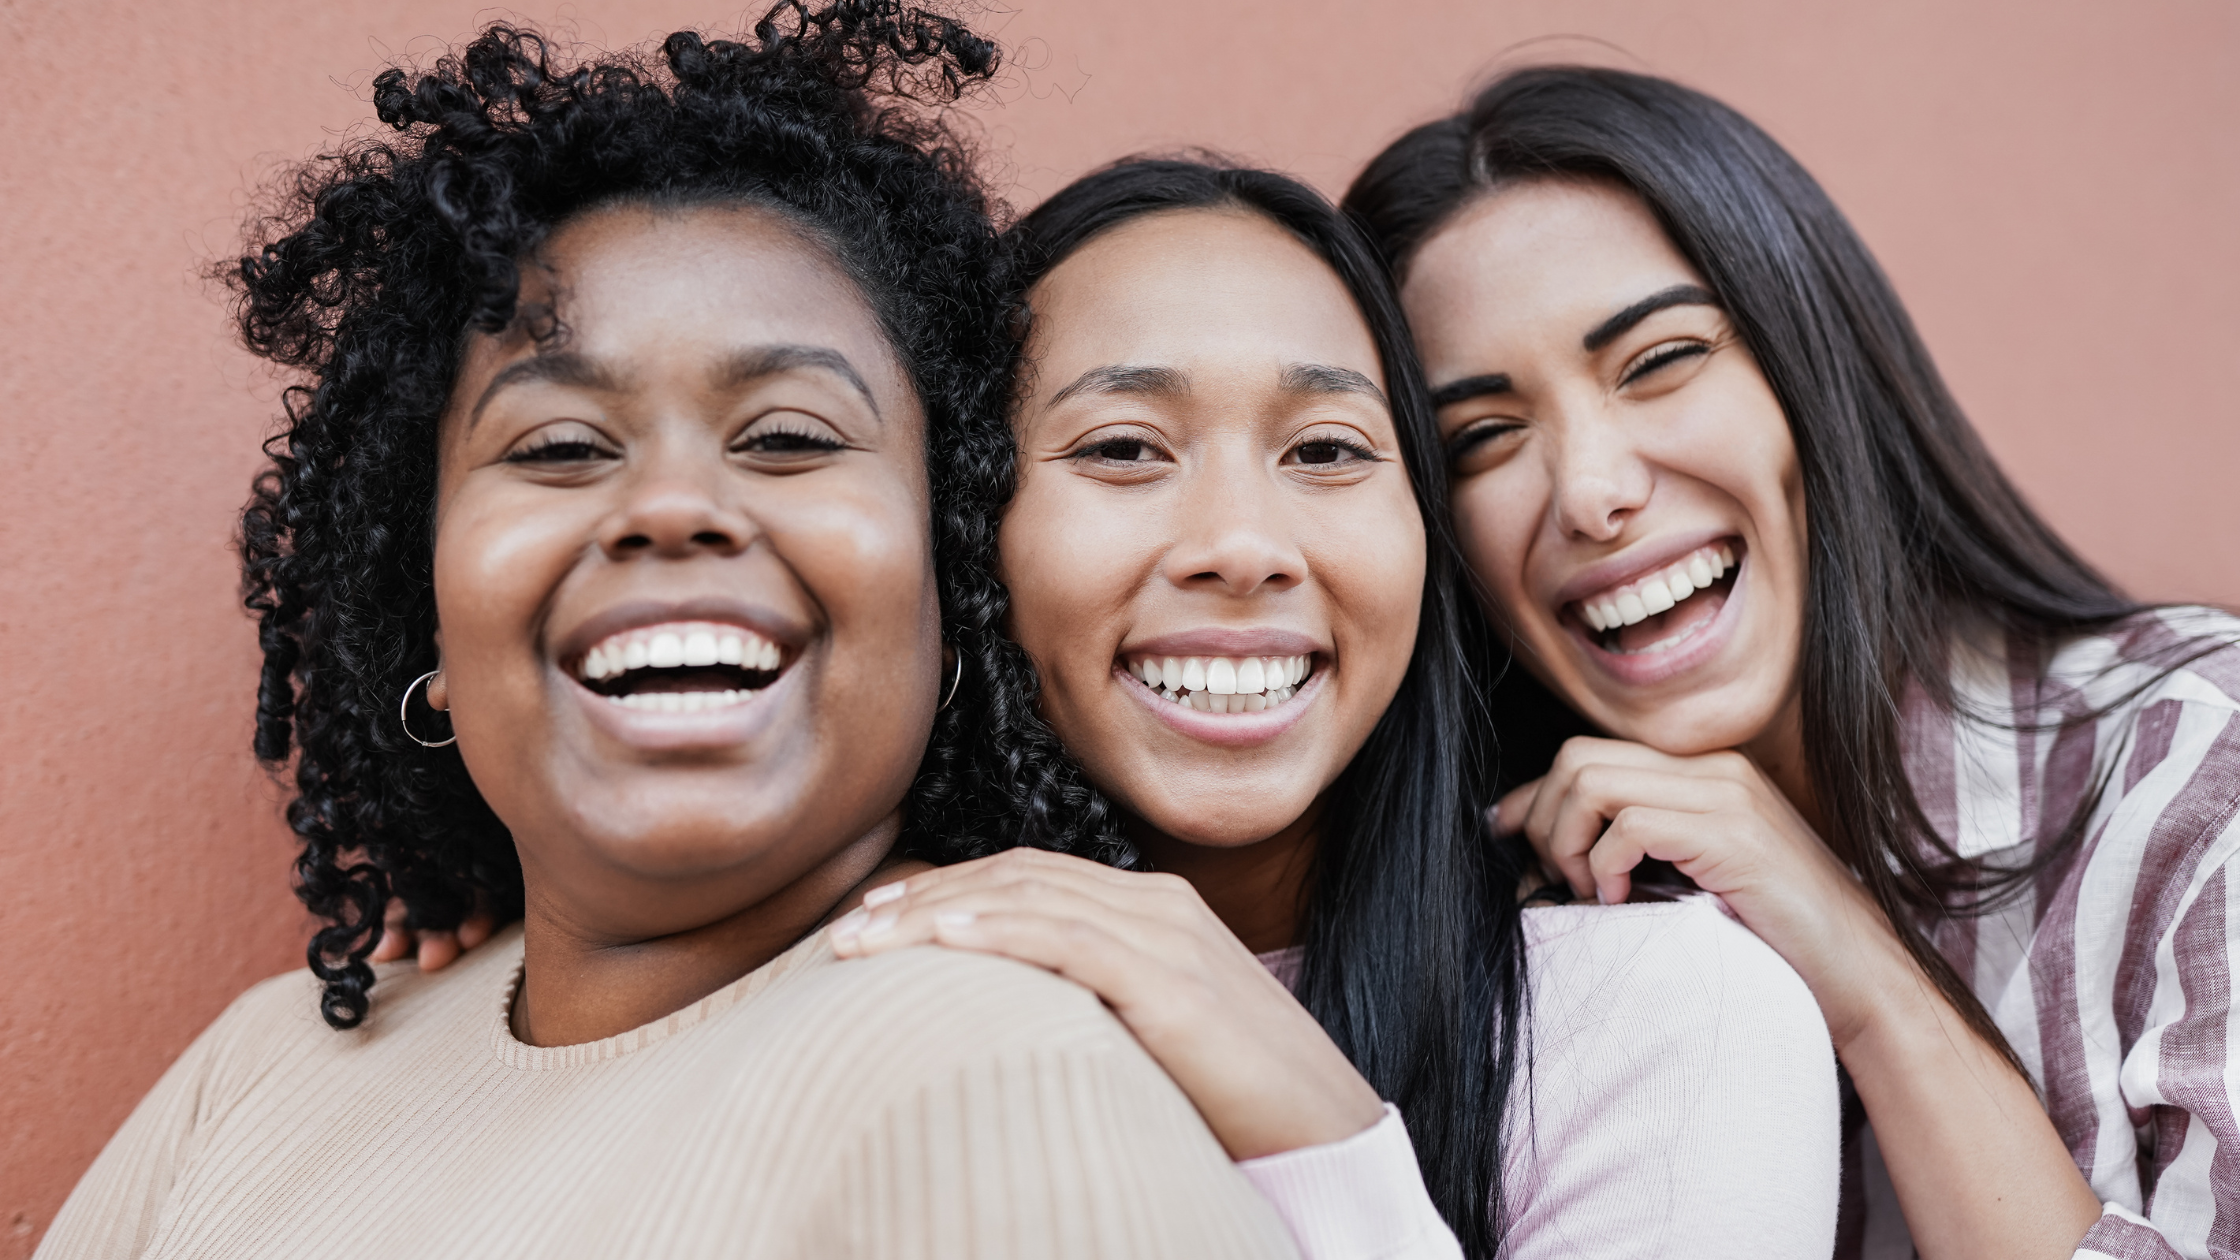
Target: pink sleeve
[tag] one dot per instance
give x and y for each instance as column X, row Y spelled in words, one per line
column 1359, row 1199
column 1682, row 1095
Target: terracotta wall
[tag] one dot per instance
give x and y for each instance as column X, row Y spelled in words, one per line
column 2053, row 184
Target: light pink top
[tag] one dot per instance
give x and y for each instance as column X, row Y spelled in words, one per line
column 1681, row 1102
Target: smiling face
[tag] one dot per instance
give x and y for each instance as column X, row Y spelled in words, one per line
column 1626, row 485
column 683, row 569
column 1214, row 554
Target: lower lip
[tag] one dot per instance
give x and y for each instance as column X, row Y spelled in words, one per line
column 1229, row 730
column 727, row 726
column 1645, row 669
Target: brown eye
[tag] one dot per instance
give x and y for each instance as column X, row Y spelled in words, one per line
column 1321, row 453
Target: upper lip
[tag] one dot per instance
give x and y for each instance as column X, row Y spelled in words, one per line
column 1638, row 561
column 1266, row 641
column 787, row 632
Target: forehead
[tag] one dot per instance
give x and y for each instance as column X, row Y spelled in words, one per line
column 1541, row 250
column 655, row 285
column 1213, row 289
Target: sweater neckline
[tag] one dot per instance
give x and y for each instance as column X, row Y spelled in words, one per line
column 812, row 950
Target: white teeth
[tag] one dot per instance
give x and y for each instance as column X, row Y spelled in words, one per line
column 679, row 645
column 680, row 701
column 700, row 648
column 1658, row 592
column 1252, row 676
column 1219, row 684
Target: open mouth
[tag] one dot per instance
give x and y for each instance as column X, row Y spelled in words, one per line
column 681, row 667
column 1659, row 611
column 1223, row 684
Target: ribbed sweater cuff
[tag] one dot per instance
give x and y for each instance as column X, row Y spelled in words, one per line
column 1358, row 1199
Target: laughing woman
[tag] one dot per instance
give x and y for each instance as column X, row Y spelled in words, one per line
column 1841, row 673
column 614, row 470
column 1214, row 628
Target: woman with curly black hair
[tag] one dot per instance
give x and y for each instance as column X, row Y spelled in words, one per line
column 596, row 575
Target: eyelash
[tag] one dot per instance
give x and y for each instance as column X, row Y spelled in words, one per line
column 799, row 441
column 1475, row 436
column 1353, row 448
column 557, row 451
column 1101, row 450
column 1665, row 356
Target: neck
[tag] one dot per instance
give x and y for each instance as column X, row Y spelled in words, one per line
column 1778, row 752
column 578, row 987
column 1257, row 890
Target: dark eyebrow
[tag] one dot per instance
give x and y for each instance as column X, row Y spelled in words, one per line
column 560, row 367
column 1470, row 387
column 1124, row 378
column 567, row 367
column 1611, row 329
column 1321, row 378
column 749, row 366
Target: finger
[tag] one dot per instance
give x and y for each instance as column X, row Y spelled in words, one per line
column 913, row 921
column 1509, row 815
column 476, row 929
column 395, row 943
column 1680, row 837
column 396, row 939
column 1081, row 951
column 1131, row 892
column 1596, row 795
column 438, row 950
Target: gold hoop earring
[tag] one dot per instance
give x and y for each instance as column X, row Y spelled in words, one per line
column 952, row 685
column 404, row 722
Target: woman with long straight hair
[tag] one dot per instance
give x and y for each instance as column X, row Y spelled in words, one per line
column 1822, row 657
column 1214, row 635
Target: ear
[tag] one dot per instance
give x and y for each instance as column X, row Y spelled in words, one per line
column 439, row 687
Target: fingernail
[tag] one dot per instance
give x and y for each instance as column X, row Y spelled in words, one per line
column 885, row 893
column 848, row 925
column 879, row 925
column 955, row 919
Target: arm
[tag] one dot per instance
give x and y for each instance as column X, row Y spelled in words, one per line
column 115, row 1208
column 1084, row 1151
column 1683, row 1097
column 1978, row 1168
column 1269, row 1082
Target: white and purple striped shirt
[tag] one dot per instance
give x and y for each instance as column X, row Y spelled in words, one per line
column 2111, row 972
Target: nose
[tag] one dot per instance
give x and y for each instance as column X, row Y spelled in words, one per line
column 1600, row 478
column 1234, row 535
column 675, row 507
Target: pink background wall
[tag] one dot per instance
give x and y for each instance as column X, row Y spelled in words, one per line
column 2054, row 185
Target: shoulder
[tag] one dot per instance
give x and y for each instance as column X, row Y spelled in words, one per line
column 948, row 1008
column 1682, row 969
column 2187, row 654
column 1681, row 1086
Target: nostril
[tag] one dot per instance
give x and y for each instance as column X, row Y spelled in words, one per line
column 712, row 538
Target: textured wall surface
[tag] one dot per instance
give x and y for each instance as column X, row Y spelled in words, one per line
column 2052, row 184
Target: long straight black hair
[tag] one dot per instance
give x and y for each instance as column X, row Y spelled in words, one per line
column 1413, row 948
column 1913, row 530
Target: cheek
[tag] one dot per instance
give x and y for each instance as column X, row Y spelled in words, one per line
column 1059, row 555
column 1493, row 518
column 1372, row 566
column 497, row 560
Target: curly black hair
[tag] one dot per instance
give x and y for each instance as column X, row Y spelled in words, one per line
column 385, row 254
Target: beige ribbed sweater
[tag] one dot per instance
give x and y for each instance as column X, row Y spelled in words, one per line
column 924, row 1103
